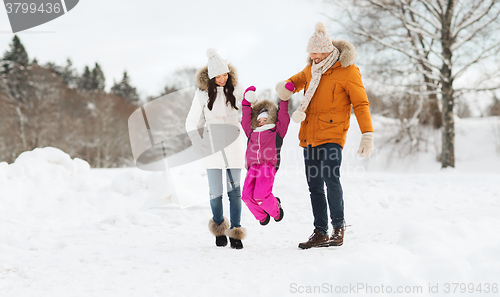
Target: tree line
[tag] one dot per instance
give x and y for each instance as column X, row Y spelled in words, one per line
column 52, row 105
column 415, row 51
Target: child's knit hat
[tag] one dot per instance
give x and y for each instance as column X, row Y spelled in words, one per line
column 263, row 114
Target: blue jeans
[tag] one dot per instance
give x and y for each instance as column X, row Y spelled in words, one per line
column 233, row 192
column 322, row 164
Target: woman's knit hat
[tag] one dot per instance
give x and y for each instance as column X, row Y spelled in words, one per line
column 216, row 65
column 320, row 41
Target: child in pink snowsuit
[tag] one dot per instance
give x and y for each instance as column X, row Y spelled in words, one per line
column 265, row 125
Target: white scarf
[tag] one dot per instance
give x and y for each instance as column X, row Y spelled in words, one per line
column 317, row 70
column 264, row 127
column 219, row 107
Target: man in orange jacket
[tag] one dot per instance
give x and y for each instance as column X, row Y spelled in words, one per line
column 332, row 86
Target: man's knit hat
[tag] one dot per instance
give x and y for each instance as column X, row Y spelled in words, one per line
column 216, row 65
column 320, row 41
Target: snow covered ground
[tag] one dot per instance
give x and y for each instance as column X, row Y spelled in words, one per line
column 68, row 230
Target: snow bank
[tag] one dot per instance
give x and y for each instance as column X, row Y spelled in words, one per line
column 45, row 189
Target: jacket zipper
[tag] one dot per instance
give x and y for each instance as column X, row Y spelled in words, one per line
column 333, row 93
column 258, row 149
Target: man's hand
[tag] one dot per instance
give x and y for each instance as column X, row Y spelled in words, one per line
column 366, row 144
column 285, row 90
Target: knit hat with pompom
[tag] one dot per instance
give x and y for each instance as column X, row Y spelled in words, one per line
column 320, row 41
column 216, row 65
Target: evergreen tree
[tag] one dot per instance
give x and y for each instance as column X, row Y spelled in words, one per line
column 98, row 80
column 85, row 81
column 17, row 55
column 124, row 89
column 17, row 52
column 54, row 68
column 69, row 74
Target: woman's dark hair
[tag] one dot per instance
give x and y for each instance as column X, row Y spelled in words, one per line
column 228, row 91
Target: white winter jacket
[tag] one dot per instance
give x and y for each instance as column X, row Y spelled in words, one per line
column 235, row 152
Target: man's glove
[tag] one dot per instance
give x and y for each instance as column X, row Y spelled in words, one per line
column 366, row 144
column 285, row 90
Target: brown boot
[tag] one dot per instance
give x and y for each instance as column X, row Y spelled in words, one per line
column 315, row 240
column 337, row 238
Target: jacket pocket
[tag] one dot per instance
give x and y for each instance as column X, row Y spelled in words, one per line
column 331, row 125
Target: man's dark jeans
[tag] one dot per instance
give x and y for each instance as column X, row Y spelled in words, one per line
column 322, row 164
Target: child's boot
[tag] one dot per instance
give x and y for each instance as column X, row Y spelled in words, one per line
column 266, row 220
column 282, row 212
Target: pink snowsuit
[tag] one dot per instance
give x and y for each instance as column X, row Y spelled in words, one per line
column 263, row 156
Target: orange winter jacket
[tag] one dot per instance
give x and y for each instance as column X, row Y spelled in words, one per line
column 329, row 112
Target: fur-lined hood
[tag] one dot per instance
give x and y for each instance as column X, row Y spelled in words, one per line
column 202, row 77
column 272, row 109
column 347, row 52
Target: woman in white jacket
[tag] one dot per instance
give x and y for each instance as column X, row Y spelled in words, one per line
column 215, row 109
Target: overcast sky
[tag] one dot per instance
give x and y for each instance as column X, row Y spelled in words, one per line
column 264, row 39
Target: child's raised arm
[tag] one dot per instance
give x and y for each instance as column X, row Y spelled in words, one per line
column 248, row 98
column 284, row 90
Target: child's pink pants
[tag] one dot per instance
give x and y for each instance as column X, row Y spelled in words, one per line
column 257, row 191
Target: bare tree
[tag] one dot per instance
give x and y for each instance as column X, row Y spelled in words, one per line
column 441, row 40
column 179, row 79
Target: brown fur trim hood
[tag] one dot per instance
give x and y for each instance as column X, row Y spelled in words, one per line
column 202, row 77
column 347, row 52
column 272, row 109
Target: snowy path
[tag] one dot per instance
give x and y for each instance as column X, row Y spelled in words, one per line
column 66, row 230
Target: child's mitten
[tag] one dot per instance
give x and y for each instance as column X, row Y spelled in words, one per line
column 250, row 95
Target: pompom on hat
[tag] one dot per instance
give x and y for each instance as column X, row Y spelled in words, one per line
column 216, row 65
column 320, row 41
